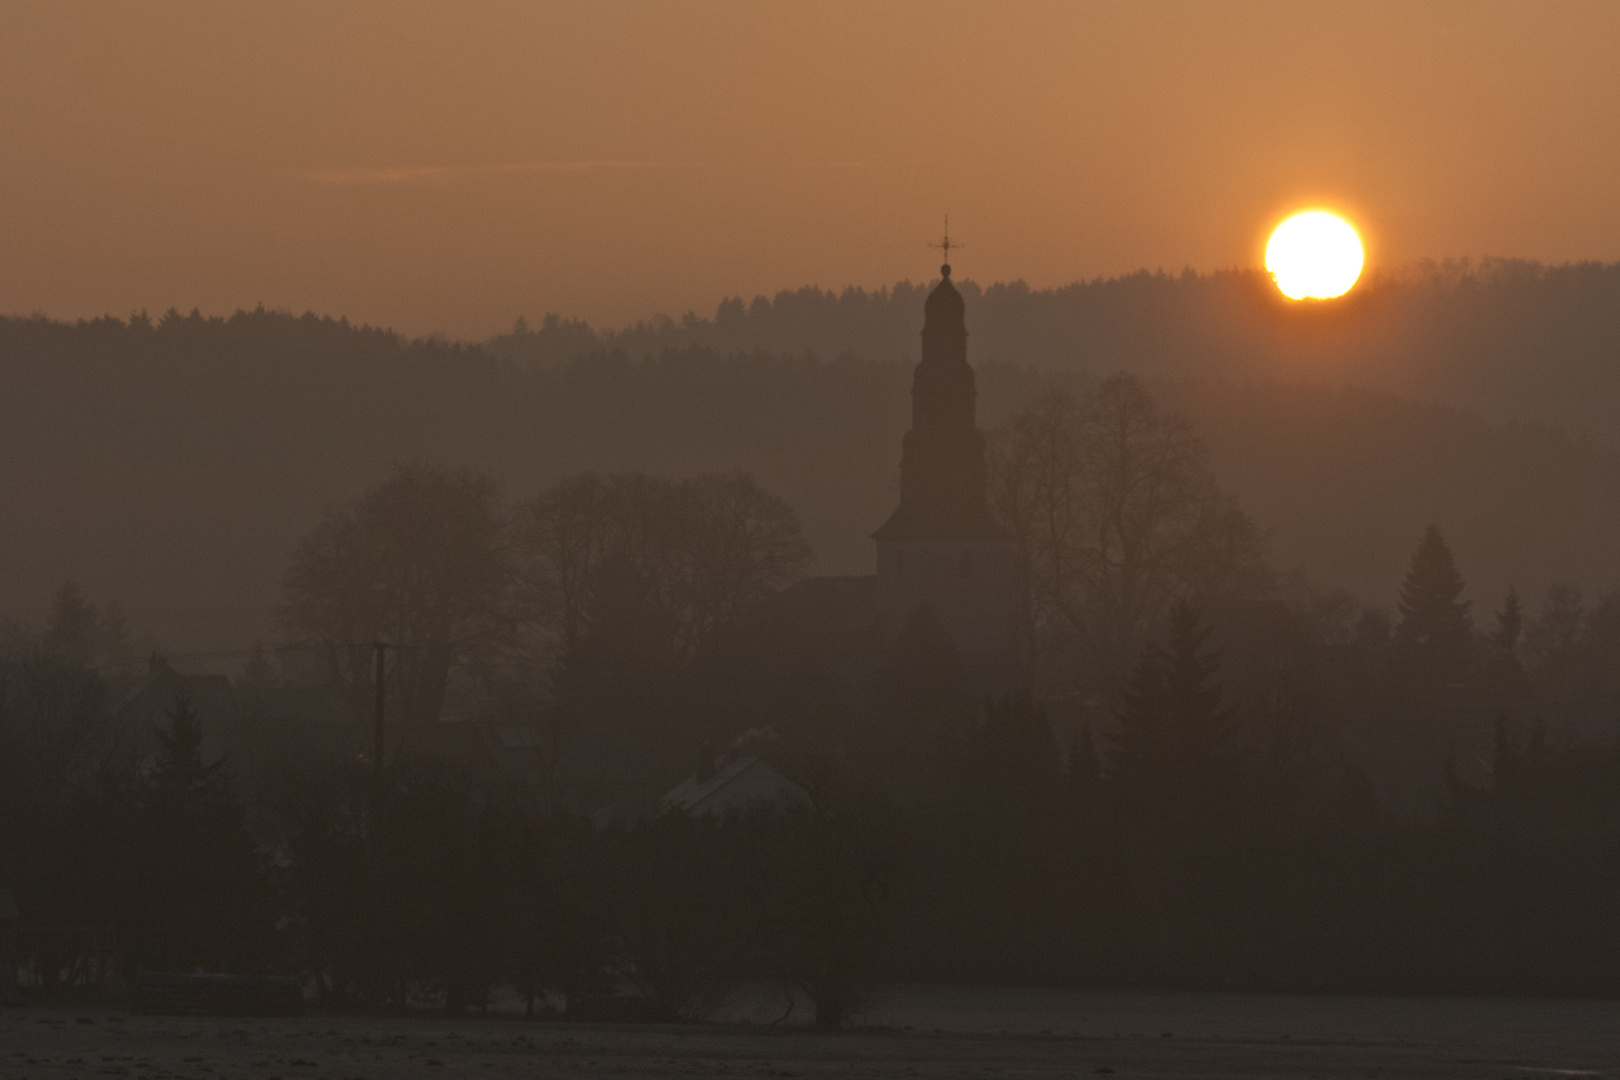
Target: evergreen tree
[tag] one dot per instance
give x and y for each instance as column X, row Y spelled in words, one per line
column 1434, row 637
column 1504, row 676
column 1509, row 624
column 1084, row 768
column 179, row 771
column 201, row 900
column 1142, row 749
column 1175, row 788
column 1011, row 836
column 1172, row 754
column 74, row 626
column 82, row 633
column 255, row 684
column 1517, row 765
column 1013, row 771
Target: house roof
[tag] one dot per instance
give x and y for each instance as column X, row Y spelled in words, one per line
column 738, row 784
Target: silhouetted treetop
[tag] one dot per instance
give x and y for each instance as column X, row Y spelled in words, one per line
column 1509, row 623
column 1505, row 337
column 172, row 462
column 1435, row 633
column 1116, row 513
column 420, row 562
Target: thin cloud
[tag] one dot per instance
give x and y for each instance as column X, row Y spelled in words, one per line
column 347, row 177
column 344, row 177
column 351, row 177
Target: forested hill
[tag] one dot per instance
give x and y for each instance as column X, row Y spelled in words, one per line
column 1508, row 339
column 172, row 465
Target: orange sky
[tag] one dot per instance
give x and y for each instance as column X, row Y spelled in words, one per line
column 448, row 166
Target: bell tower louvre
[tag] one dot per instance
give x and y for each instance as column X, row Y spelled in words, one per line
column 942, row 547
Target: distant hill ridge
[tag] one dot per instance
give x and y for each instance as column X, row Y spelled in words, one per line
column 171, row 463
column 1507, row 338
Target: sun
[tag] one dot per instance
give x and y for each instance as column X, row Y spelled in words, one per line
column 1315, row 255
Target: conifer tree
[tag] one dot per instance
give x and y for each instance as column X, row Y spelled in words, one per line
column 1517, row 765
column 1013, row 769
column 1143, row 744
column 201, row 902
column 73, row 626
column 1084, row 768
column 1010, row 832
column 81, row 632
column 180, row 774
column 1502, row 672
column 1172, row 755
column 1509, row 624
column 1434, row 638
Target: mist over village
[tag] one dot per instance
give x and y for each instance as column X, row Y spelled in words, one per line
column 534, row 545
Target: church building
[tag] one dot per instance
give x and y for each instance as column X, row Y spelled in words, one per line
column 816, row 659
column 942, row 547
column 941, row 551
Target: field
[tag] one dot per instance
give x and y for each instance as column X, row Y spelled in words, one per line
column 911, row 1032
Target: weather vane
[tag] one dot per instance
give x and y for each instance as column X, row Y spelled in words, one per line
column 945, row 244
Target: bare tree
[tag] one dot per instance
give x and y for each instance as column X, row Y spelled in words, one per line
column 633, row 576
column 85, row 633
column 700, row 552
column 1116, row 514
column 568, row 534
column 421, row 562
column 737, row 544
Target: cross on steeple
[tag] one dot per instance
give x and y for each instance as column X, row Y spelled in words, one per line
column 945, row 245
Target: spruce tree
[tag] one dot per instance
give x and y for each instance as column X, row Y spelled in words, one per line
column 1434, row 638
column 1503, row 675
column 73, row 627
column 180, row 775
column 202, row 901
column 1172, row 754
column 1083, row 767
column 1509, row 624
column 1013, row 771
column 1203, row 727
column 1010, row 835
column 1142, row 748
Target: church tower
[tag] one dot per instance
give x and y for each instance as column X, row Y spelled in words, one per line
column 942, row 547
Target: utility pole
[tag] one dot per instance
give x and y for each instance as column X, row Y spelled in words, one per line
column 377, row 735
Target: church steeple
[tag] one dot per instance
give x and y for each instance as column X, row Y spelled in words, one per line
column 942, row 471
column 941, row 550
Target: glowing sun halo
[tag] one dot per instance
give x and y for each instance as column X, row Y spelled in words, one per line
column 1314, row 255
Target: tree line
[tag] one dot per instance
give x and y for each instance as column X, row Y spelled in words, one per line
column 1217, row 776
column 1485, row 336
column 172, row 462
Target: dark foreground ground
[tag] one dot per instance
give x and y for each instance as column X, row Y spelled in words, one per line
column 916, row 1032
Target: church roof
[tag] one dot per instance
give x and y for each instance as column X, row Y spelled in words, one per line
column 944, row 307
